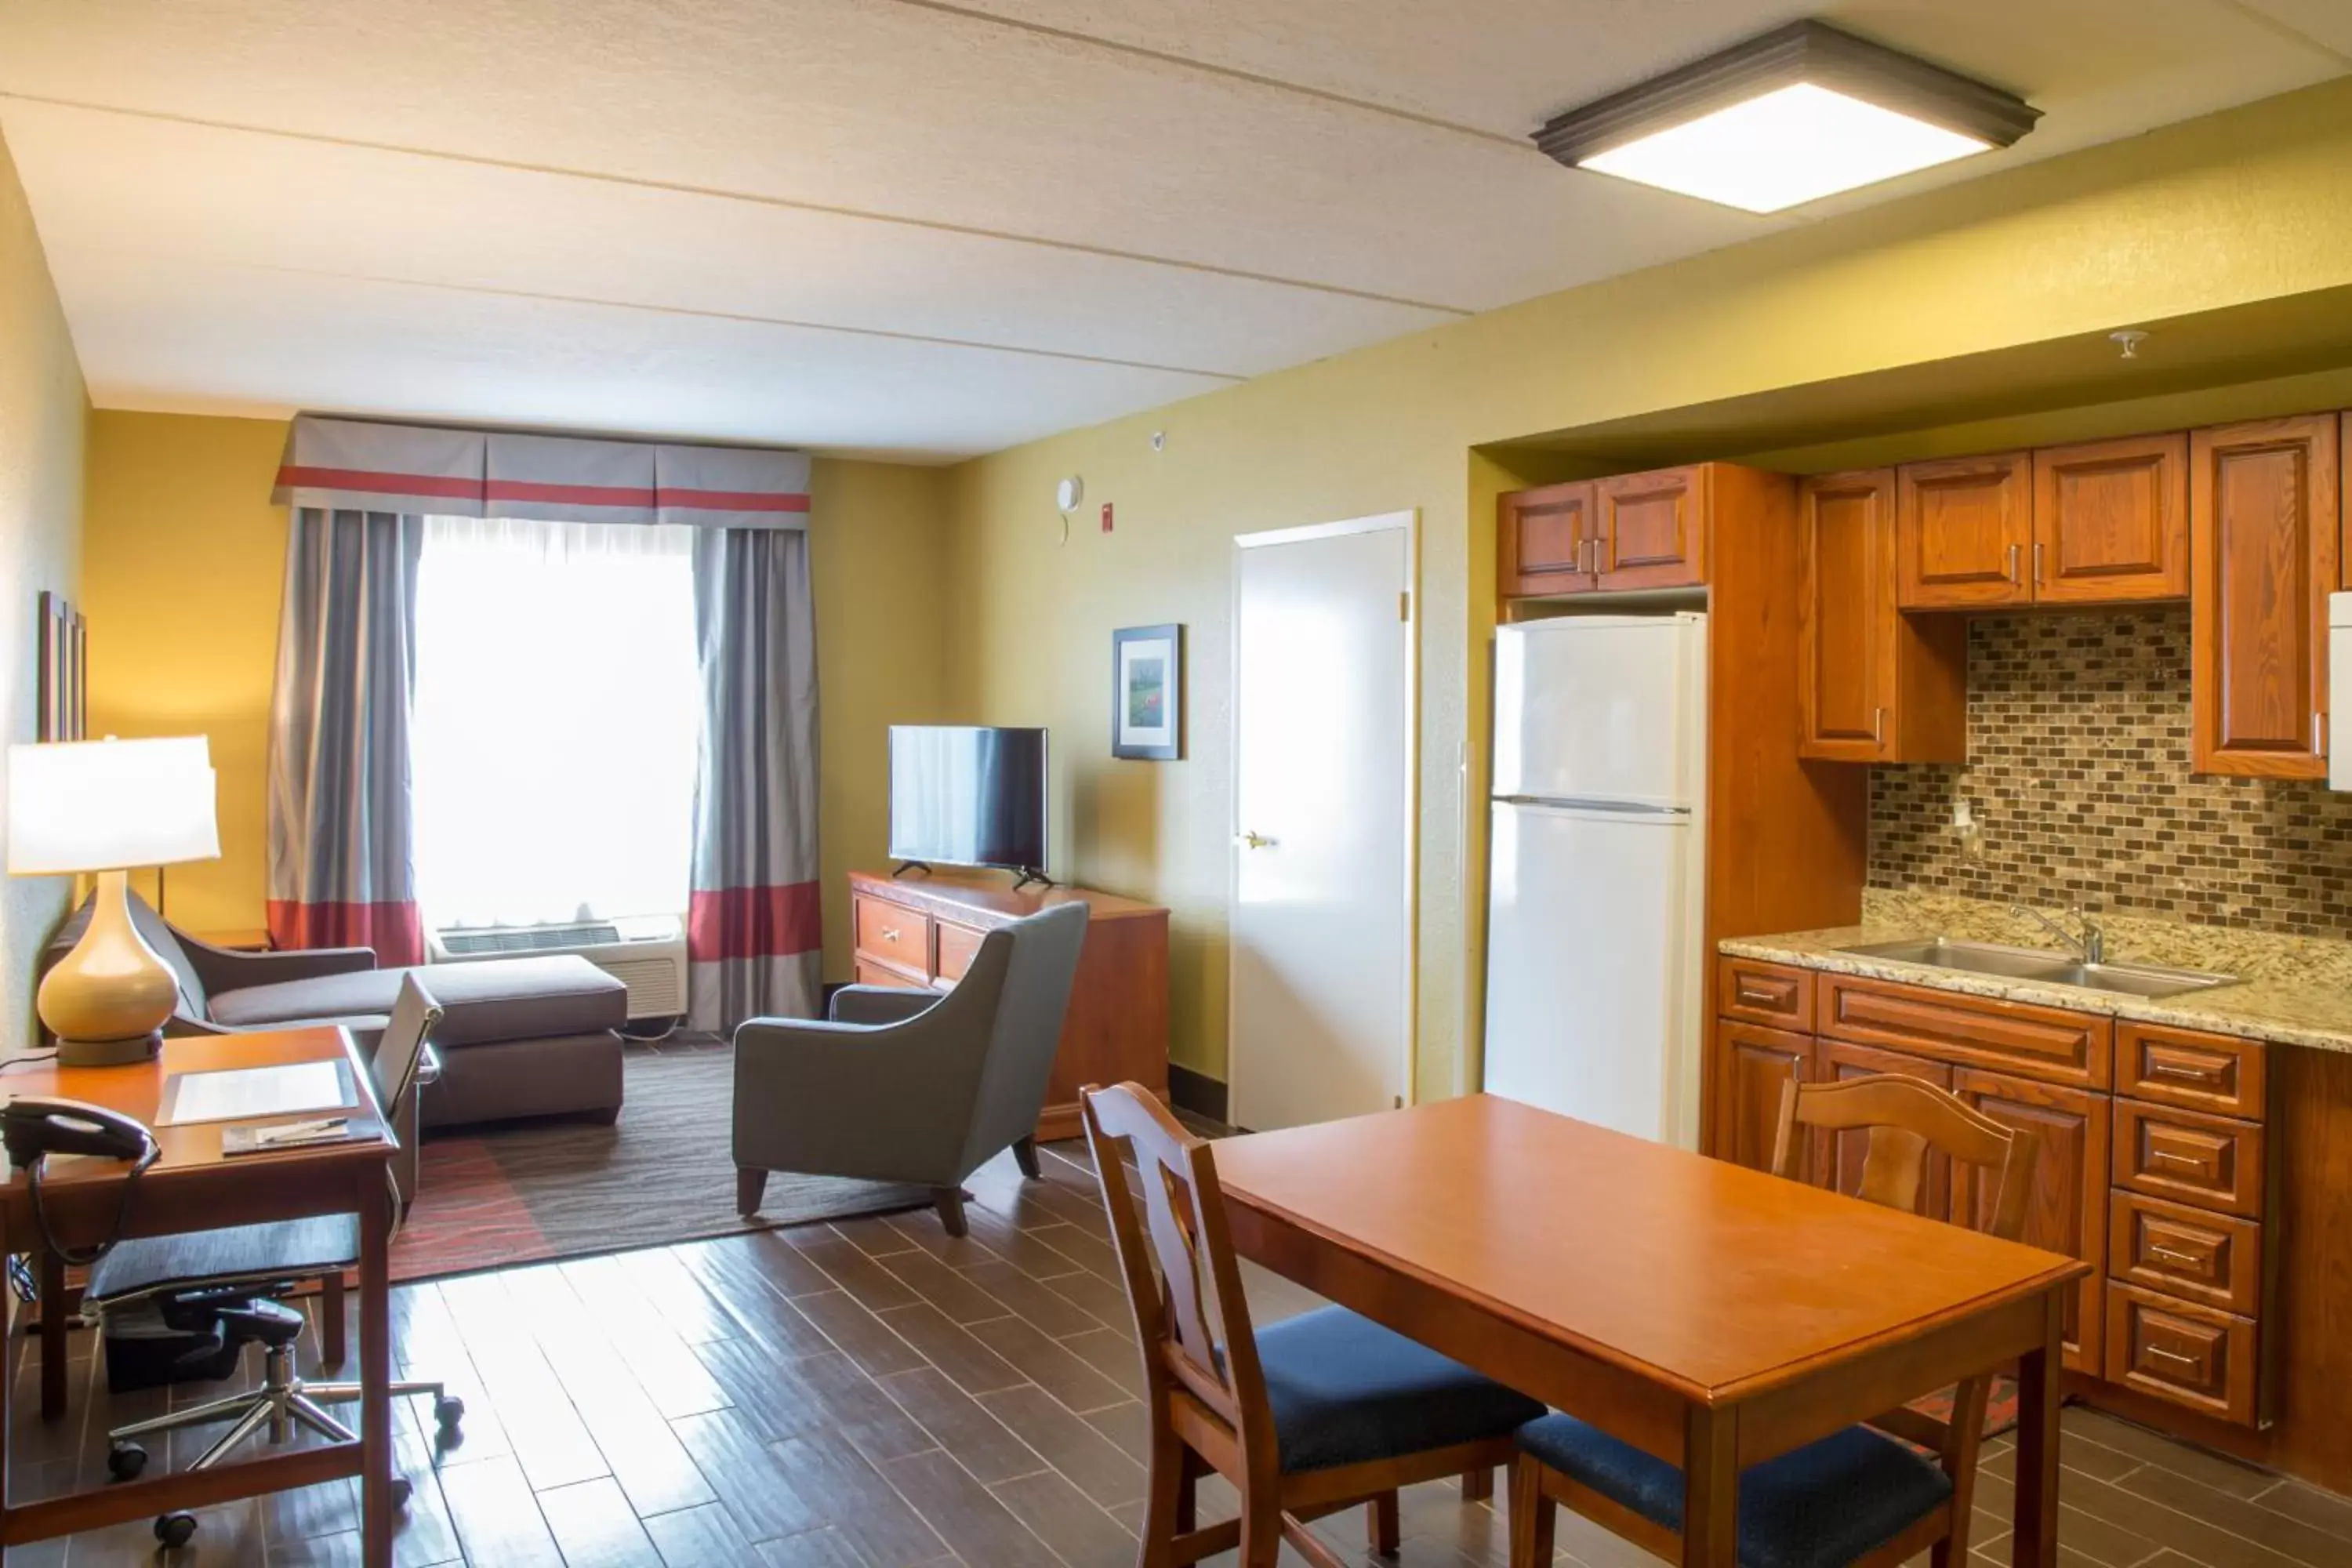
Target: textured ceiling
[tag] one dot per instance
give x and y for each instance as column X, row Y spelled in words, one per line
column 900, row 227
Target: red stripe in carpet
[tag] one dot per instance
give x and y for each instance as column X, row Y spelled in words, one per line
column 467, row 1215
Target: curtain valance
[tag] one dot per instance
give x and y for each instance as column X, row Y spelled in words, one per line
column 352, row 465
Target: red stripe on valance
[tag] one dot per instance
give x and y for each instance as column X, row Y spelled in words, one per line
column 294, row 474
column 754, row 923
column 732, row 500
column 567, row 495
column 395, row 930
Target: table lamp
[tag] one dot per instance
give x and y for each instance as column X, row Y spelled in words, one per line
column 107, row 806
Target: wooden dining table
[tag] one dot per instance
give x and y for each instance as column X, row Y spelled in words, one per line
column 1711, row 1315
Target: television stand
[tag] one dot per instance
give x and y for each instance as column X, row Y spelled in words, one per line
column 1028, row 875
column 924, row 932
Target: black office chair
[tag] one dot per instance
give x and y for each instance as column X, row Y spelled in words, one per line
column 224, row 1288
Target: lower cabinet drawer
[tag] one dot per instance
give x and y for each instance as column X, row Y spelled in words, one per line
column 958, row 946
column 894, row 934
column 2180, row 1351
column 2044, row 1043
column 1773, row 994
column 870, row 972
column 2207, row 1162
column 2180, row 1250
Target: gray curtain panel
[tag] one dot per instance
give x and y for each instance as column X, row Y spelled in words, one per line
column 754, row 925
column 341, row 872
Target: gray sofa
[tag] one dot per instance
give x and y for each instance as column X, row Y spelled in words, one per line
column 519, row 1037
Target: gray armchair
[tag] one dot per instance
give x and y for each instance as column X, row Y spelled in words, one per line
column 911, row 1086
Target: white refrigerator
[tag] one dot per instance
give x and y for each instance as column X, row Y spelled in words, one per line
column 1594, row 974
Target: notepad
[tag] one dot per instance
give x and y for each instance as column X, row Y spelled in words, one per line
column 247, row 1094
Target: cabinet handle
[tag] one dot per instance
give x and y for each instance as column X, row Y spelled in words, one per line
column 2012, row 563
column 889, row 934
column 2319, row 739
column 2169, row 1158
column 1878, row 726
column 1757, row 999
column 2187, row 1074
column 2176, row 1356
column 2171, row 1257
column 2037, row 564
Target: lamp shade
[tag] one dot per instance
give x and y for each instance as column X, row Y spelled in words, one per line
column 109, row 806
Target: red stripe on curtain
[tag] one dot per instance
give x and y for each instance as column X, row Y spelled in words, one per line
column 732, row 500
column 571, row 494
column 396, row 930
column 754, row 923
column 295, row 474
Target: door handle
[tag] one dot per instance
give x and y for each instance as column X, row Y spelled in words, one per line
column 1252, row 840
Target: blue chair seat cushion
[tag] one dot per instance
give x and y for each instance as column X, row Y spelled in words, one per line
column 1821, row 1506
column 1345, row 1391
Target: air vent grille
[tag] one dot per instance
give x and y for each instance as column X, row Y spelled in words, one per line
column 527, row 939
column 653, row 983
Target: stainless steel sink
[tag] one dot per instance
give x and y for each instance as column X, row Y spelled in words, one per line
column 2038, row 965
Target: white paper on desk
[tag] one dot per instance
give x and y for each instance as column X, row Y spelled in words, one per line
column 244, row 1094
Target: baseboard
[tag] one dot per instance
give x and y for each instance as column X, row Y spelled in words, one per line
column 1196, row 1092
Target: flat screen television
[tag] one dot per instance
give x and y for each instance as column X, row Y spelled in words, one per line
column 966, row 795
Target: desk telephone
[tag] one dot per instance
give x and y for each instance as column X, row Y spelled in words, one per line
column 32, row 1128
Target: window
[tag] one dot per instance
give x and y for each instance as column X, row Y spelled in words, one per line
column 557, row 720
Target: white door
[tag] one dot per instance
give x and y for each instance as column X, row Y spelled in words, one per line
column 1322, row 983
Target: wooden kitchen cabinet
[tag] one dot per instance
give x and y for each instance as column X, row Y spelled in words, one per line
column 2263, row 516
column 1753, row 1066
column 1964, row 532
column 2069, row 1211
column 1651, row 528
column 1545, row 542
column 1877, row 685
column 2111, row 521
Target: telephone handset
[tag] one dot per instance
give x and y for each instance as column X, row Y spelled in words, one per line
column 33, row 1128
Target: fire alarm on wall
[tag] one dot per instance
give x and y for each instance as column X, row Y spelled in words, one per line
column 1105, row 516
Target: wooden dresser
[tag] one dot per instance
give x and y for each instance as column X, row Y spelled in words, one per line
column 923, row 928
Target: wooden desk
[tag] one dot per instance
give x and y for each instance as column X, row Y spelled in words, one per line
column 1711, row 1315
column 191, row 1187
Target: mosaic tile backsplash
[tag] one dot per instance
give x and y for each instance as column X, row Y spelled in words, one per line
column 2078, row 778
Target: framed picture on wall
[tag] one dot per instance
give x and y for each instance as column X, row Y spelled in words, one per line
column 62, row 659
column 1147, row 699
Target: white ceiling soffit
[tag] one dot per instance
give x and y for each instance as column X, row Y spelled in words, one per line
column 900, row 227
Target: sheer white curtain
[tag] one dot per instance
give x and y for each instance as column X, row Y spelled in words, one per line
column 556, row 725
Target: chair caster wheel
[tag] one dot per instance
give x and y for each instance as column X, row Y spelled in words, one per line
column 400, row 1490
column 176, row 1528
column 447, row 1411
column 125, row 1460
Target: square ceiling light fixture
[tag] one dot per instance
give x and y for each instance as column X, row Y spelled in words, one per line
column 1803, row 112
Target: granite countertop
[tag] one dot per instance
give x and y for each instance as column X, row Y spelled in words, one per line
column 2283, row 1007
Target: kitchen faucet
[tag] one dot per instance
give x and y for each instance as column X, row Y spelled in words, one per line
column 2093, row 942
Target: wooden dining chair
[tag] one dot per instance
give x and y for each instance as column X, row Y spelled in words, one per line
column 1858, row 1496
column 1305, row 1417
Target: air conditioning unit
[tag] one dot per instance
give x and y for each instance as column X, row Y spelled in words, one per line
column 645, row 953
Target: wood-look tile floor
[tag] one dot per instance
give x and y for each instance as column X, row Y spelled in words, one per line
column 875, row 1395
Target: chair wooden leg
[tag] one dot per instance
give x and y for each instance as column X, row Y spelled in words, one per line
column 1531, row 1516
column 750, row 1185
column 1479, row 1485
column 331, row 1340
column 950, row 1202
column 1260, row 1532
column 1381, row 1523
column 1168, row 1503
column 1025, row 1154
column 1188, row 1490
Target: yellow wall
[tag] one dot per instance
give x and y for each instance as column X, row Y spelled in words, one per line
column 185, row 558
column 2252, row 205
column 42, row 411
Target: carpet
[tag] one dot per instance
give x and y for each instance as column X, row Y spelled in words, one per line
column 529, row 1190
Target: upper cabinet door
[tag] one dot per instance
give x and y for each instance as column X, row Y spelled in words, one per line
column 1964, row 528
column 1845, row 526
column 2111, row 520
column 1544, row 541
column 2263, row 516
column 1652, row 528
